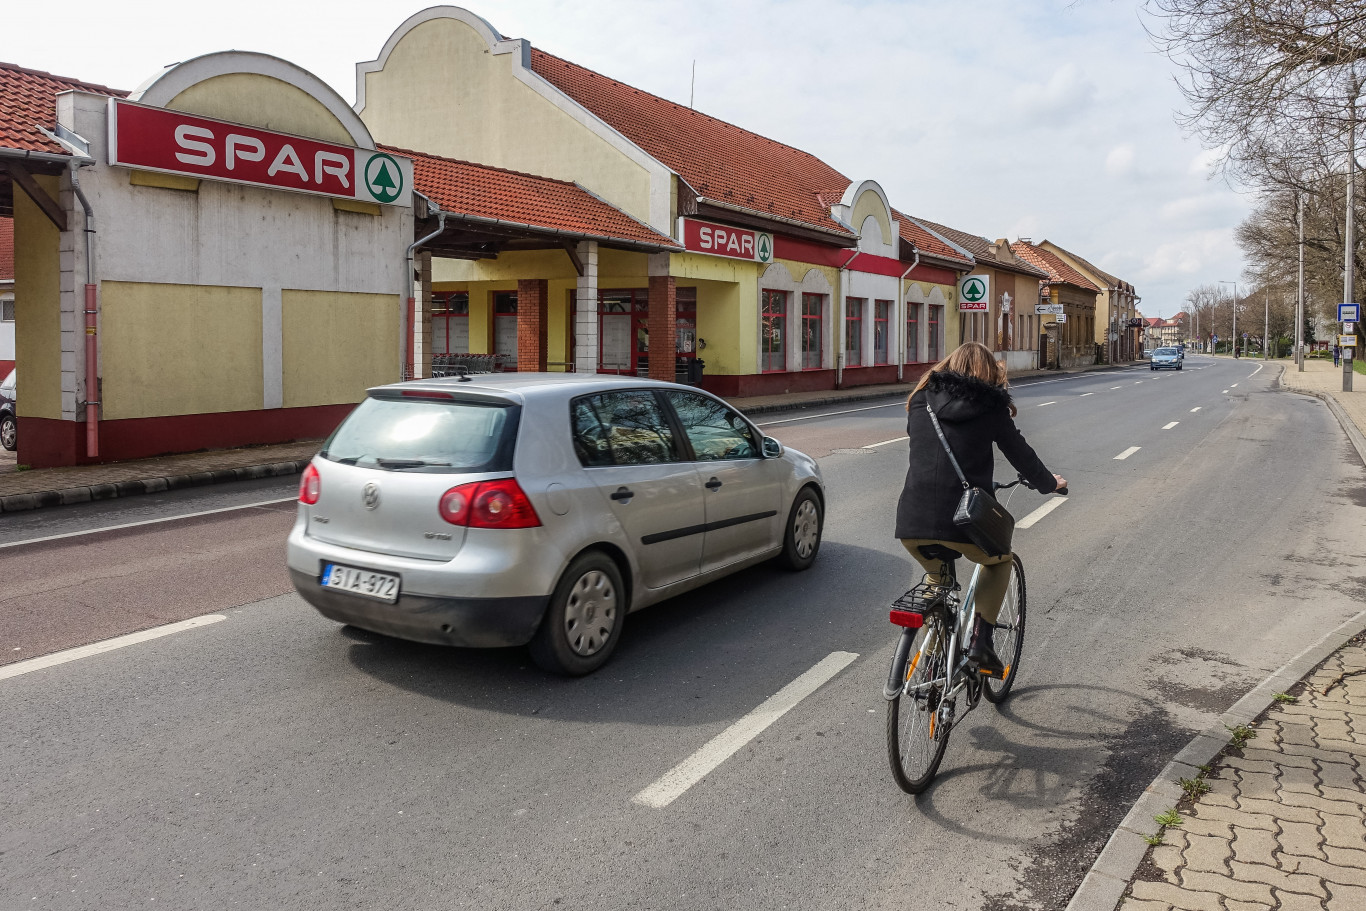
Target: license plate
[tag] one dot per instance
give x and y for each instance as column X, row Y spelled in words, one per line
column 363, row 582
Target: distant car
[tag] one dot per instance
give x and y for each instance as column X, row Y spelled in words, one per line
column 1147, row 352
column 540, row 509
column 1165, row 358
column 9, row 423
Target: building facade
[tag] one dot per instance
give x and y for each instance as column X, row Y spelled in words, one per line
column 1116, row 307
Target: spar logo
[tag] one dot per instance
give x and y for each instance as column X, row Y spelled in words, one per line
column 974, row 289
column 383, row 177
column 974, row 294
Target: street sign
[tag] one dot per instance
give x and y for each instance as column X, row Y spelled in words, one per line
column 1349, row 328
column 1349, row 313
column 1048, row 308
column 157, row 139
column 1062, row 317
column 974, row 294
column 1347, row 341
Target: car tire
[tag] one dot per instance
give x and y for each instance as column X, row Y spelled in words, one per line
column 1178, row 366
column 583, row 621
column 9, row 432
column 802, row 535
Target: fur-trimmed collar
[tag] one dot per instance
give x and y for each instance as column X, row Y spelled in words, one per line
column 957, row 396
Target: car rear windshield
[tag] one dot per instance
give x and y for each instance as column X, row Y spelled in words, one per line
column 429, row 435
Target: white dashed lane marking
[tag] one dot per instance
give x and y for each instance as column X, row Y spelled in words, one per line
column 1085, row 394
column 1042, row 404
column 1196, row 408
column 1171, row 425
column 1039, row 513
column 1126, row 453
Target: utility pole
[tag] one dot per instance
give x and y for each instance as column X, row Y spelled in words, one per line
column 1266, row 331
column 1235, row 315
column 1348, row 253
column 1299, row 301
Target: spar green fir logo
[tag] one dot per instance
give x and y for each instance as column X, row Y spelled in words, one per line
column 383, row 177
column 763, row 248
column 974, row 290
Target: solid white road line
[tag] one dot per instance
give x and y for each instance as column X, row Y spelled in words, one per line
column 1042, row 404
column 1257, row 371
column 1196, row 408
column 829, row 414
column 886, row 442
column 725, row 744
column 108, row 645
column 175, row 518
column 1031, row 519
column 1171, row 425
column 1085, row 394
column 1126, row 453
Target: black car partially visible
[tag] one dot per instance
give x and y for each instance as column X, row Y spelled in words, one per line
column 9, row 425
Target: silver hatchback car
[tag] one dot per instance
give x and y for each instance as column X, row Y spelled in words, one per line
column 521, row 508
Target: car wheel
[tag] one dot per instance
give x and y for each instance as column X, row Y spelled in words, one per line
column 583, row 622
column 9, row 432
column 802, row 538
column 1178, row 366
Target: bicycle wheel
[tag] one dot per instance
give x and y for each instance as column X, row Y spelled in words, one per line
column 1009, row 635
column 916, row 739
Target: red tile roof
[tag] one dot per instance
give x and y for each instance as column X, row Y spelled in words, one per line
column 1059, row 272
column 926, row 241
column 722, row 162
column 554, row 206
column 6, row 249
column 29, row 98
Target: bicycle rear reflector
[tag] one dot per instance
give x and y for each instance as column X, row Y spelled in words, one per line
column 908, row 619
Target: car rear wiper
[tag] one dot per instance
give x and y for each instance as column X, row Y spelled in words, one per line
column 410, row 463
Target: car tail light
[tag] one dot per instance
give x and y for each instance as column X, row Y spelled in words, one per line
column 908, row 619
column 488, row 504
column 310, row 486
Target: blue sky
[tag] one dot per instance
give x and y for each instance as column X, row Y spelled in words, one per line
column 1037, row 118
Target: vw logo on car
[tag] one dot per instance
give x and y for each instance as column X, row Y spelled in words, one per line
column 369, row 495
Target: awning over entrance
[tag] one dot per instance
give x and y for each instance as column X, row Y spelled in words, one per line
column 490, row 211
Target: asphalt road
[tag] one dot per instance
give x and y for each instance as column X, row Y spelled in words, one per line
column 269, row 760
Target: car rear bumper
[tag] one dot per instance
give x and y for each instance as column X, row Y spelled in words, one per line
column 471, row 622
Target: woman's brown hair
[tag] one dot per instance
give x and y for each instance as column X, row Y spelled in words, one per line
column 970, row 359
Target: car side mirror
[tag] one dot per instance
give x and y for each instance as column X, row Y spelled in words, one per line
column 772, row 448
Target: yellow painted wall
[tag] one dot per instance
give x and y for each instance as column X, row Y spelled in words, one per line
column 727, row 309
column 37, row 305
column 262, row 101
column 179, row 349
column 869, row 203
column 319, row 327
column 442, row 91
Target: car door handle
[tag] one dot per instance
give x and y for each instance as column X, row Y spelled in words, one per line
column 713, row 484
column 623, row 494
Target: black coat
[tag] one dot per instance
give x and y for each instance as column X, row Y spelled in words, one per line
column 974, row 415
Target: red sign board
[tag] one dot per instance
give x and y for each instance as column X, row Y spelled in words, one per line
column 723, row 240
column 156, row 139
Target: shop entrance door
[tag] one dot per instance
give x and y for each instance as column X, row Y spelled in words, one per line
column 624, row 330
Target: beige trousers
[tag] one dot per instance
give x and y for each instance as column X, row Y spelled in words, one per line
column 991, row 586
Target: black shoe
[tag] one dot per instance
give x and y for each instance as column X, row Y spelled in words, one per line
column 982, row 651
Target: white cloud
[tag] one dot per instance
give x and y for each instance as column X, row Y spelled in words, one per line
column 1065, row 97
column 1204, row 161
column 1120, row 161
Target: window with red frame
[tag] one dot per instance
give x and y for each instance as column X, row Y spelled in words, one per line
column 882, row 317
column 813, row 330
column 853, row 331
column 773, row 332
column 451, row 323
column 936, row 333
column 913, row 318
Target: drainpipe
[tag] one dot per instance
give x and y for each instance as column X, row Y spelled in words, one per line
column 839, row 347
column 410, row 369
column 92, row 319
column 901, row 293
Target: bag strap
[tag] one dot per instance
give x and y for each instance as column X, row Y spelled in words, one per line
column 939, row 430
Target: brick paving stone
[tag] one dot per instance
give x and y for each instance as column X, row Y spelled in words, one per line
column 1242, row 764
column 1294, row 807
column 1136, row 904
column 1257, row 785
column 1346, row 857
column 1346, row 898
column 1167, row 857
column 1283, row 757
column 1296, row 733
column 1233, row 905
column 1326, row 871
column 1223, row 790
column 1204, row 825
column 1270, row 876
column 1253, row 819
column 1345, row 795
column 1294, row 901
column 1331, row 729
column 1254, row 845
column 1336, row 775
column 1306, row 781
column 1177, row 897
column 1300, row 838
column 1230, row 887
column 1344, row 831
column 1208, row 854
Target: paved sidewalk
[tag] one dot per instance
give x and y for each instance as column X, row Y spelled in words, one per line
column 1322, row 379
column 1283, row 825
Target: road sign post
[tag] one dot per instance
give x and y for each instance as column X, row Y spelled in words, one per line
column 1348, row 315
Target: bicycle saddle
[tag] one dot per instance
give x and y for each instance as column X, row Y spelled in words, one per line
column 938, row 552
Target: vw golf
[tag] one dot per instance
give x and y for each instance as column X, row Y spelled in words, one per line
column 540, row 509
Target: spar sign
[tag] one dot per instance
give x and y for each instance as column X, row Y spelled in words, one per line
column 155, row 139
column 723, row 240
column 974, row 294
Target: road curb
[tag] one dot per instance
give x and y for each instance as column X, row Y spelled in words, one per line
column 1348, row 425
column 22, row 502
column 1109, row 877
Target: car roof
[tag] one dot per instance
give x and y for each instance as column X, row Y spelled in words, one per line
column 520, row 386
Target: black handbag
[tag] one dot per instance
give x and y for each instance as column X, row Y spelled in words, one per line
column 985, row 521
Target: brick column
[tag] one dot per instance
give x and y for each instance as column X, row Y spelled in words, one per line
column 586, row 310
column 532, row 314
column 422, row 337
column 663, row 326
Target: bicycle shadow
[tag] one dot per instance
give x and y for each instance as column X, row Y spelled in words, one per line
column 1036, row 763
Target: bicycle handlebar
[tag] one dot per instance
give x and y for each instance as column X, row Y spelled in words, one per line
column 995, row 485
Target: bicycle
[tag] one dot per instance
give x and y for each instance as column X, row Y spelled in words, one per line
column 923, row 690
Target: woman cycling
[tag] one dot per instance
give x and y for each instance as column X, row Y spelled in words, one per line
column 968, row 393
